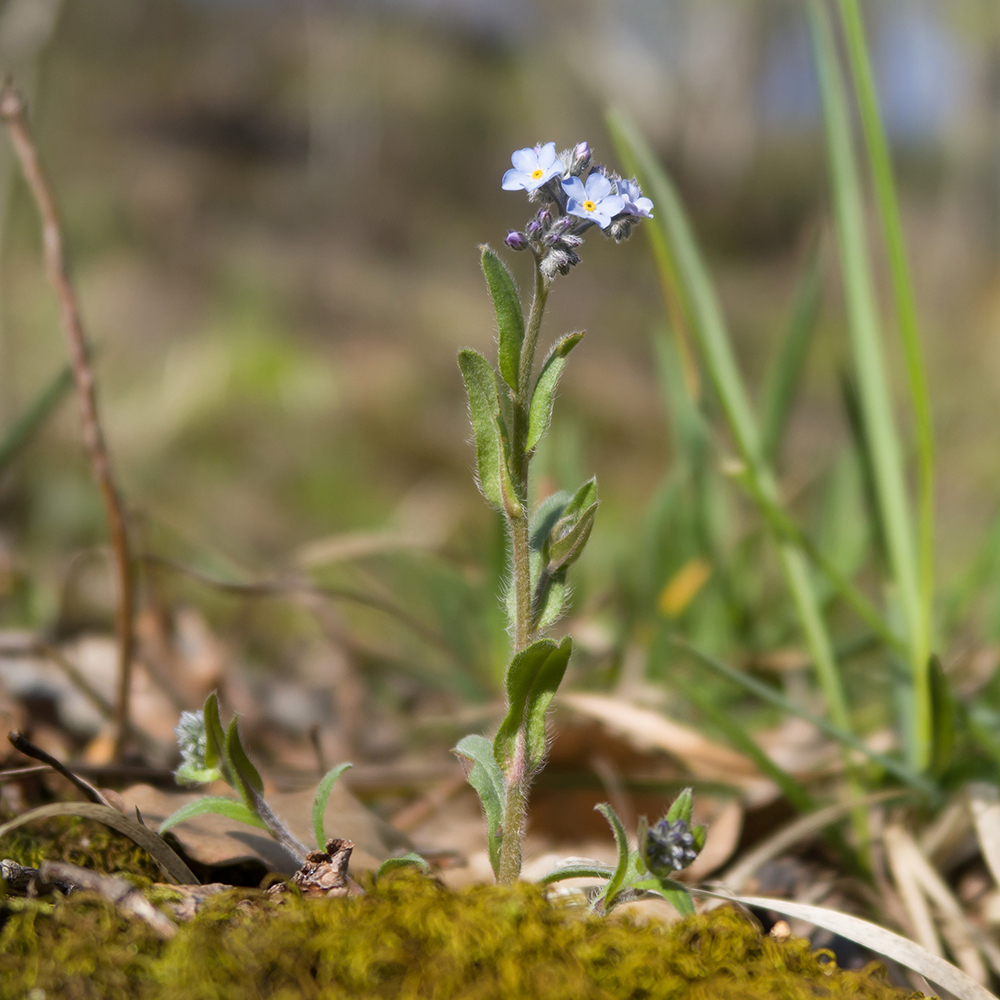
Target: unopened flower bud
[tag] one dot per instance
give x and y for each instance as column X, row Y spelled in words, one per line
column 516, row 240
column 620, row 230
column 580, row 158
column 533, row 227
column 669, row 847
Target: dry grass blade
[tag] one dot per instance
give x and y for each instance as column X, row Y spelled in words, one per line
column 744, row 869
column 159, row 850
column 965, row 940
column 878, row 939
column 984, row 801
column 917, row 910
column 647, row 729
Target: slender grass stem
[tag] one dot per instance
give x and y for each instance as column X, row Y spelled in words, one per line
column 873, row 385
column 880, row 163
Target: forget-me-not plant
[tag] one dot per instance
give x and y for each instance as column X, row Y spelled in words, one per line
column 511, row 407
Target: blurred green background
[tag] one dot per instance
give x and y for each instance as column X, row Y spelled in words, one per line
column 273, row 210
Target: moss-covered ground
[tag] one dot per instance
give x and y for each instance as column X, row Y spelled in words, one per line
column 407, row 938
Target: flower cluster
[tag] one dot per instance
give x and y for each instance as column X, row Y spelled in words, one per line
column 669, row 846
column 574, row 196
column 192, row 741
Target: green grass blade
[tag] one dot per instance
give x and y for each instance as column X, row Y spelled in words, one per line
column 873, row 385
column 709, row 330
column 843, row 736
column 217, row 804
column 786, row 372
column 34, row 416
column 880, row 165
column 746, row 744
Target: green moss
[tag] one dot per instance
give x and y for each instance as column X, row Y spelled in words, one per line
column 408, row 939
column 81, row 842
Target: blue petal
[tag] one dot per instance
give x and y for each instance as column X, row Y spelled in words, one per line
column 524, row 160
column 573, row 187
column 515, row 180
column 547, row 156
column 598, row 187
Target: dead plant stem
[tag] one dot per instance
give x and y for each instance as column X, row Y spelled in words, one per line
column 12, row 112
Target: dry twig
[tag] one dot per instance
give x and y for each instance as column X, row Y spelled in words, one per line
column 12, row 112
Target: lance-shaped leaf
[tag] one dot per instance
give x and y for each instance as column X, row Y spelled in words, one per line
column 617, row 879
column 410, row 860
column 488, row 781
column 323, row 791
column 681, row 808
column 544, row 395
column 510, row 321
column 229, row 808
column 673, row 892
column 484, row 410
column 244, row 775
column 570, row 533
column 532, row 678
column 545, row 519
column 577, row 868
column 215, row 735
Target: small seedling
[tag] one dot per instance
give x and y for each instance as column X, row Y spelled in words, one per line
column 511, row 409
column 663, row 849
column 210, row 753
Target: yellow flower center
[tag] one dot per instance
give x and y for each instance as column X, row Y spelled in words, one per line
column 537, row 174
column 589, row 206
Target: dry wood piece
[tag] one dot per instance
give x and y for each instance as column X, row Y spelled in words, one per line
column 125, row 896
column 324, row 873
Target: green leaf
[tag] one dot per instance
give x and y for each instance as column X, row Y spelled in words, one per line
column 681, row 808
column 943, row 704
column 245, row 775
column 410, row 860
column 545, row 519
column 229, row 808
column 510, row 322
column 543, row 397
column 617, row 878
column 491, row 786
column 785, row 374
column 323, row 791
column 565, row 549
column 532, row 678
column 673, row 892
column 577, row 868
column 484, row 410
column 215, row 736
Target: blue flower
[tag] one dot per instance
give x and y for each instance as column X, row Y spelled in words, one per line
column 532, row 168
column 635, row 202
column 597, row 201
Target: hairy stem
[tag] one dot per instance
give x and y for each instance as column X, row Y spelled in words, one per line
column 513, row 818
column 519, row 460
column 13, row 115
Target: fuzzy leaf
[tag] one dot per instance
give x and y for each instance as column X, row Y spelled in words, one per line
column 542, row 692
column 566, row 549
column 543, row 398
column 412, row 859
column 323, row 791
column 245, row 776
column 673, row 892
column 532, row 678
column 577, row 868
column 550, row 510
column 491, row 786
column 484, row 411
column 681, row 808
column 229, row 808
column 617, row 878
column 510, row 321
column 215, row 735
